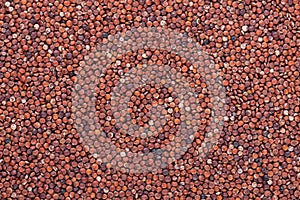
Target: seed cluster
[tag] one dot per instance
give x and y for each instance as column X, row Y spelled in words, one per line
column 255, row 45
column 173, row 120
column 139, row 109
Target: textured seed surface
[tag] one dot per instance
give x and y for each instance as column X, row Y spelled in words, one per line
column 255, row 44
